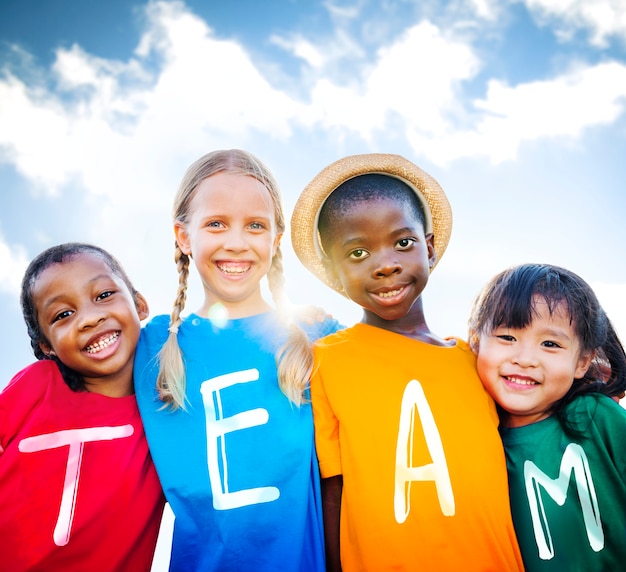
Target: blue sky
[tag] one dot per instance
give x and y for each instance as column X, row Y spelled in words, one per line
column 516, row 107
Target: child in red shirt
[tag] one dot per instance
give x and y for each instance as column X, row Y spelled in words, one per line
column 78, row 490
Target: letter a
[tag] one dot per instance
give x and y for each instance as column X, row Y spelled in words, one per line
column 436, row 471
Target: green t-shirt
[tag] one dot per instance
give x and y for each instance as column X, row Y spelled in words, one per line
column 568, row 495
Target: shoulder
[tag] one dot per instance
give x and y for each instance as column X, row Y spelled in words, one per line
column 339, row 336
column 26, row 390
column 154, row 333
column 318, row 330
column 591, row 414
column 158, row 326
column 596, row 404
column 151, row 339
column 36, row 375
column 460, row 344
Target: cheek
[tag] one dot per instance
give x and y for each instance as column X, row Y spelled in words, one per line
column 485, row 367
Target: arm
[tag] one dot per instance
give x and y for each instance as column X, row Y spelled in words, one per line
column 331, row 507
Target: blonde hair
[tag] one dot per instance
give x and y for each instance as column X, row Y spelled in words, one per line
column 294, row 359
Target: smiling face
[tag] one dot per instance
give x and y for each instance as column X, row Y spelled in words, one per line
column 90, row 321
column 377, row 250
column 528, row 370
column 231, row 236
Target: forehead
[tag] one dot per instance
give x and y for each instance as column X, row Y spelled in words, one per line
column 370, row 219
column 549, row 310
column 230, row 190
column 372, row 208
column 74, row 271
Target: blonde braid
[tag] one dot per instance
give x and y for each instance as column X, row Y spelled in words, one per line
column 171, row 377
column 295, row 358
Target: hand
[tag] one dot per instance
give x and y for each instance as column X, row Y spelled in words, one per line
column 310, row 314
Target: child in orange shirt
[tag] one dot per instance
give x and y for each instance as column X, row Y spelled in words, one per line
column 413, row 469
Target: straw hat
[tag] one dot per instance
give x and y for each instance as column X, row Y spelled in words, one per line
column 304, row 221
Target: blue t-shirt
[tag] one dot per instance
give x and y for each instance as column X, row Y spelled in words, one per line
column 238, row 467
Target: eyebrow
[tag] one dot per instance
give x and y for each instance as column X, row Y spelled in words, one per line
column 397, row 232
column 55, row 299
column 555, row 333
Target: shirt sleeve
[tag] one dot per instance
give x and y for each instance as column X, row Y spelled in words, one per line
column 326, row 424
column 609, row 420
column 21, row 396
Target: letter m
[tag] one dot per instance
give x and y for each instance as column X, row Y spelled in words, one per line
column 573, row 460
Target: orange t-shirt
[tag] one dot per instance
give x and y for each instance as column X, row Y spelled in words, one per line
column 414, row 434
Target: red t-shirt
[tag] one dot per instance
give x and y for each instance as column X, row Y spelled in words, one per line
column 78, row 490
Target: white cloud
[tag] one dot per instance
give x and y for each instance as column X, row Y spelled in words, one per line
column 209, row 92
column 20, row 116
column 13, row 263
column 346, row 12
column 205, row 89
column 560, row 107
column 414, row 78
column 487, row 9
column 603, row 18
column 301, row 48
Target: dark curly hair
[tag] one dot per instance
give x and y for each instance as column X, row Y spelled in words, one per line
column 58, row 255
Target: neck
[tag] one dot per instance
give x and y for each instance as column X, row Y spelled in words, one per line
column 111, row 389
column 232, row 311
column 412, row 325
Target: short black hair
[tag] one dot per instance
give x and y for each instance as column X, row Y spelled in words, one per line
column 368, row 187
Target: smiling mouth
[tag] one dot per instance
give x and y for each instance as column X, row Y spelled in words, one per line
column 234, row 268
column 520, row 380
column 389, row 294
column 102, row 343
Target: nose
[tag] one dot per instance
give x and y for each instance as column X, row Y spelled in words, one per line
column 386, row 265
column 235, row 240
column 91, row 316
column 524, row 355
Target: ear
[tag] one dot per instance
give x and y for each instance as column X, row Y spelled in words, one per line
column 142, row 306
column 432, row 254
column 182, row 237
column 276, row 244
column 584, row 361
column 46, row 348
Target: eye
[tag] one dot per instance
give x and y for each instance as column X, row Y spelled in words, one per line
column 505, row 337
column 550, row 344
column 405, row 243
column 214, row 224
column 257, row 226
column 62, row 315
column 358, row 254
column 105, row 294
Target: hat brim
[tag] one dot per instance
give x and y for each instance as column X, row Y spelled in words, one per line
column 304, row 221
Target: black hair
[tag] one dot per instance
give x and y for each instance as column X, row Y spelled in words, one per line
column 57, row 255
column 368, row 187
column 508, row 301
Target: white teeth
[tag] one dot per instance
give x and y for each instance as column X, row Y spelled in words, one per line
column 102, row 343
column 522, row 381
column 238, row 269
column 389, row 294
